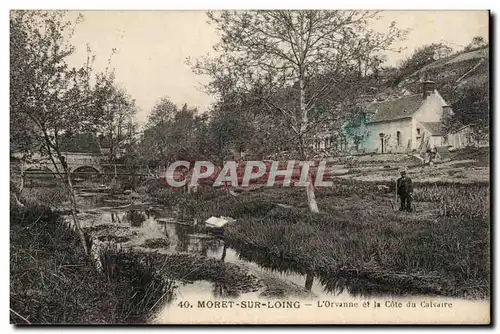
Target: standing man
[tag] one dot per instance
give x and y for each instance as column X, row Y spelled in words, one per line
column 404, row 190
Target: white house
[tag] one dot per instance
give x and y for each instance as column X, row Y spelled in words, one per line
column 405, row 124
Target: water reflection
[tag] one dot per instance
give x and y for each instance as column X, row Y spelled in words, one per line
column 290, row 270
column 224, row 251
column 309, row 281
column 136, row 218
column 222, row 291
column 154, row 223
column 320, row 282
column 149, row 224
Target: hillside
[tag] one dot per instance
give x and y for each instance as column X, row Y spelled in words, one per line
column 461, row 70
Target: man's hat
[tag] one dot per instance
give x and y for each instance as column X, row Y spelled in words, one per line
column 402, row 170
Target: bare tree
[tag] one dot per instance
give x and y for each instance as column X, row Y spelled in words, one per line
column 307, row 54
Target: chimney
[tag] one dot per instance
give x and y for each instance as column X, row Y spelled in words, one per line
column 447, row 110
column 428, row 88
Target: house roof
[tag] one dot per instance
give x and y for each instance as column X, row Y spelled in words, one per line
column 435, row 128
column 395, row 109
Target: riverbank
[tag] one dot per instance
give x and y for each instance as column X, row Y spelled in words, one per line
column 53, row 282
column 359, row 242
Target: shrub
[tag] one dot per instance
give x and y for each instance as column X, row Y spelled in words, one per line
column 52, row 282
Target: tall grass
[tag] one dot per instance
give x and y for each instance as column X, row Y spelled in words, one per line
column 467, row 201
column 48, row 196
column 52, row 282
column 140, row 289
column 359, row 241
column 400, row 254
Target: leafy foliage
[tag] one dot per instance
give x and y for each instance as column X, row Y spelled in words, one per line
column 300, row 64
column 173, row 133
column 422, row 56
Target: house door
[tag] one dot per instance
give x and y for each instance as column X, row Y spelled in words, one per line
column 382, row 143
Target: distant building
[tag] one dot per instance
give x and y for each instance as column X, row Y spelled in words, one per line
column 409, row 123
column 406, row 124
column 467, row 136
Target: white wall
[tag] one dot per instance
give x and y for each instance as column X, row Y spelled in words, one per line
column 431, row 109
column 404, row 126
column 461, row 139
column 429, row 140
column 437, row 141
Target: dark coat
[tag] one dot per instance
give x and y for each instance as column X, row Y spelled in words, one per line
column 404, row 186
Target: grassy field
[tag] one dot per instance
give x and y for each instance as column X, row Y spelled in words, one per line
column 359, row 242
column 52, row 282
column 465, row 166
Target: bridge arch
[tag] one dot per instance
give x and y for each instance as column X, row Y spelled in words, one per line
column 86, row 169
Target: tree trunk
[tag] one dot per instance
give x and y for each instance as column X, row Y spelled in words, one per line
column 311, row 197
column 21, row 186
column 74, row 210
column 16, row 199
column 16, row 185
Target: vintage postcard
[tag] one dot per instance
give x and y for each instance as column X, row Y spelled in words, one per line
column 250, row 167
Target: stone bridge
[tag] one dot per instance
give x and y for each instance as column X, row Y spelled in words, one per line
column 77, row 162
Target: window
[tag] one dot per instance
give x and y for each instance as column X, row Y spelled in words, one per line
column 418, row 132
column 398, row 138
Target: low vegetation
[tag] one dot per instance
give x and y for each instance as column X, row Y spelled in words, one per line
column 156, row 243
column 481, row 155
column 360, row 242
column 52, row 282
column 457, row 201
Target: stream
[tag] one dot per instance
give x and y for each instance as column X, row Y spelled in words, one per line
column 133, row 225
column 147, row 227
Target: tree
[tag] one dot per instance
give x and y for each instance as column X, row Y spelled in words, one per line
column 476, row 43
column 117, row 124
column 227, row 134
column 154, row 141
column 242, row 123
column 48, row 98
column 422, row 56
column 470, row 105
column 173, row 133
column 305, row 54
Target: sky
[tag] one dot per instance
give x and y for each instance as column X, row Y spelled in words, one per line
column 151, row 47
